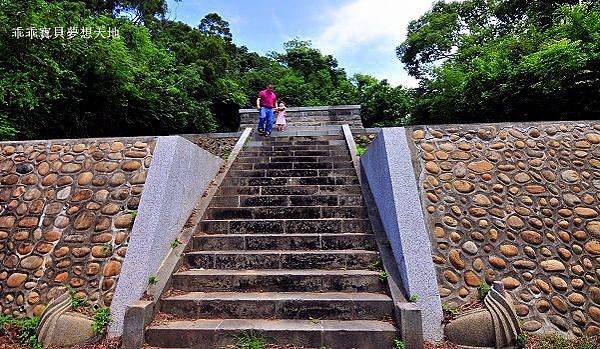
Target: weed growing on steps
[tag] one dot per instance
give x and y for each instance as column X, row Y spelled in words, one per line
column 399, row 344
column 250, row 339
column 375, row 265
column 101, row 320
column 383, row 276
column 25, row 329
column 413, row 298
column 175, row 243
column 152, row 279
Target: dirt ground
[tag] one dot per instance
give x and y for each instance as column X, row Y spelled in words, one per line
column 10, row 341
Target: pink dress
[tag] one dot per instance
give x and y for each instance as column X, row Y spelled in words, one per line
column 280, row 118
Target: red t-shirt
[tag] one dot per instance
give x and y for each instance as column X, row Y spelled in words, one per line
column 267, row 98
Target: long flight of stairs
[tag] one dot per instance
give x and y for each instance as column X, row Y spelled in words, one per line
column 285, row 249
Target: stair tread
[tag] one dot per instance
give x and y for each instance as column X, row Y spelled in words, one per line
column 259, row 252
column 285, row 219
column 277, row 325
column 282, row 296
column 246, row 196
column 208, row 236
column 276, row 272
column 285, row 207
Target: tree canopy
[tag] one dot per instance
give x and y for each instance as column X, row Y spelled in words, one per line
column 505, row 60
column 475, row 60
column 158, row 77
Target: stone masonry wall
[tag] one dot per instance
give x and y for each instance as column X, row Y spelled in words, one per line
column 66, row 209
column 520, row 204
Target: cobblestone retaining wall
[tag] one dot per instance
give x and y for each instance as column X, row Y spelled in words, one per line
column 520, row 204
column 66, row 211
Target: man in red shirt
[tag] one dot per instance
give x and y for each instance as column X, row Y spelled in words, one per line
column 265, row 103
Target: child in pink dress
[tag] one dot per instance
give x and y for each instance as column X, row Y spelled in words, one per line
column 280, row 121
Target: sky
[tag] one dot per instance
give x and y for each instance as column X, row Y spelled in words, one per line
column 361, row 34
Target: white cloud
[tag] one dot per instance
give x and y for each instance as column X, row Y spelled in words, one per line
column 368, row 27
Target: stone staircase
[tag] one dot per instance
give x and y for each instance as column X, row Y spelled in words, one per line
column 285, row 249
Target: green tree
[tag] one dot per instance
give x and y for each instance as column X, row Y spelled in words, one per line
column 383, row 104
column 505, row 60
column 213, row 24
column 158, row 77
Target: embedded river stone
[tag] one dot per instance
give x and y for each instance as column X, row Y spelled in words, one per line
column 518, row 205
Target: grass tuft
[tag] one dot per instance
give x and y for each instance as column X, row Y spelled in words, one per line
column 360, row 150
column 483, row 289
column 399, row 344
column 383, row 276
column 250, row 339
column 101, row 320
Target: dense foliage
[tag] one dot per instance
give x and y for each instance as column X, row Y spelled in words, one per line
column 505, row 60
column 476, row 61
column 158, row 77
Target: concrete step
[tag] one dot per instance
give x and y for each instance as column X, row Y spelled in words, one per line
column 247, row 153
column 283, row 242
column 297, row 212
column 278, row 280
column 290, row 190
column 283, row 200
column 290, row 181
column 286, row 226
column 336, row 139
column 282, row 259
column 292, row 165
column 260, row 146
column 216, row 333
column 274, row 173
column 286, row 158
column 280, row 305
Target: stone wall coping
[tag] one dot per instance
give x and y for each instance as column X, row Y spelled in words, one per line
column 131, row 139
column 352, row 149
column 236, row 134
column 408, row 315
column 502, row 124
column 128, row 139
column 301, row 109
column 141, row 313
column 389, row 170
column 179, row 173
